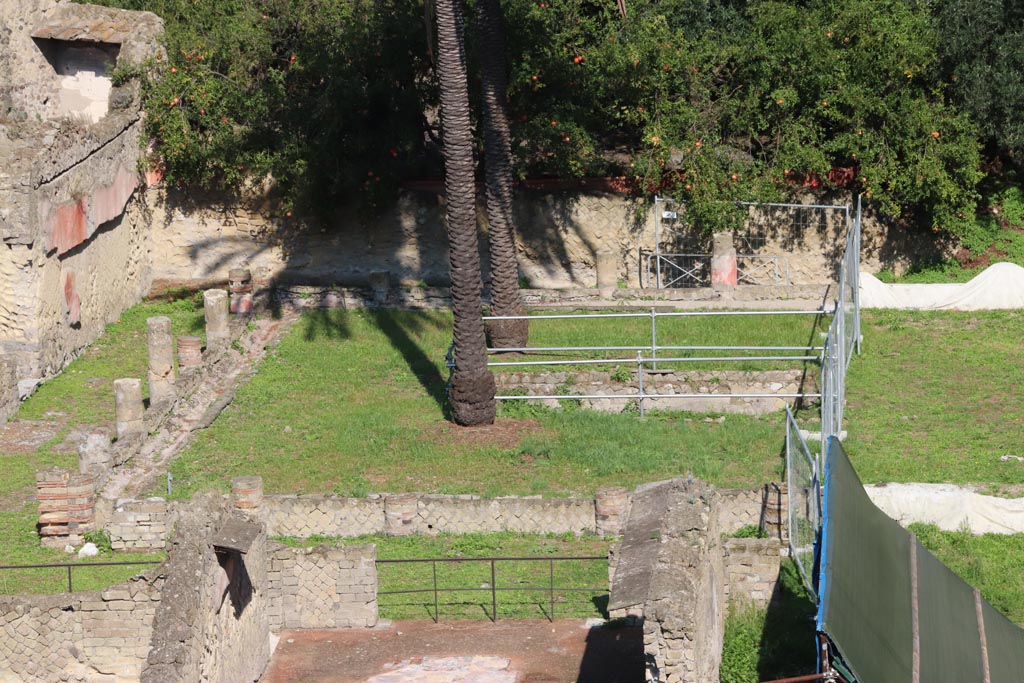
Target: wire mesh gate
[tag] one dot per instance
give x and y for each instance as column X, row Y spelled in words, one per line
column 666, row 265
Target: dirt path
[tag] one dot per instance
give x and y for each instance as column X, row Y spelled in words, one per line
column 536, row 651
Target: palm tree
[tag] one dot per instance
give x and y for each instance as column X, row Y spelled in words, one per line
column 505, row 299
column 471, row 393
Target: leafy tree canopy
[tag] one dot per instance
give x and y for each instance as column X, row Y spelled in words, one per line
column 709, row 100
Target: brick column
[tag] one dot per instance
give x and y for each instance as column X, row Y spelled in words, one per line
column 190, row 353
column 240, row 284
column 128, row 408
column 400, row 513
column 610, row 507
column 160, row 344
column 606, row 263
column 723, row 261
column 67, row 506
column 247, row 492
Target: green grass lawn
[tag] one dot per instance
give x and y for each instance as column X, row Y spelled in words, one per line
column 936, row 397
column 80, row 397
column 512, row 579
column 353, row 402
column 992, row 563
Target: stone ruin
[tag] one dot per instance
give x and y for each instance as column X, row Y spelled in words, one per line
column 71, row 222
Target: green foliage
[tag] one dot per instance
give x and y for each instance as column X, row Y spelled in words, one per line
column 979, row 43
column 100, row 538
column 711, row 101
column 749, row 531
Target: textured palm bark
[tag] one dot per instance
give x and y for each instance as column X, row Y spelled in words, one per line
column 505, row 299
column 471, row 395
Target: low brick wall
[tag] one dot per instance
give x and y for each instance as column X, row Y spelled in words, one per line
column 89, row 636
column 751, row 569
column 322, row 587
column 705, row 383
column 138, row 525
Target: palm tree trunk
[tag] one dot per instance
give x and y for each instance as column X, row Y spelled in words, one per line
column 505, row 299
column 471, row 394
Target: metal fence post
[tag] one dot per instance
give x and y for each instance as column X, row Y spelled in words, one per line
column 437, row 614
column 69, row 580
column 654, row 340
column 640, row 380
column 494, row 595
column 551, row 588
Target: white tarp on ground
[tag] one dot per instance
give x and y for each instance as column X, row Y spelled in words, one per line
column 1001, row 285
column 949, row 507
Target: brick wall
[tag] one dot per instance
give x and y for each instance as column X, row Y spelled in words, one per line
column 752, row 569
column 80, row 637
column 322, row 587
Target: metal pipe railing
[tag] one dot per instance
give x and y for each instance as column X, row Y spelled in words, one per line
column 550, row 589
column 71, row 567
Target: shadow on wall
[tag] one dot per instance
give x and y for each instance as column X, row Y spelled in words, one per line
column 200, row 236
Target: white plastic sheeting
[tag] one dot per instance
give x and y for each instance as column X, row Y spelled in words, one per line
column 949, row 507
column 1001, row 285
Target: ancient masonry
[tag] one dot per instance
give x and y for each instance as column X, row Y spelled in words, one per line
column 674, row 571
column 72, row 226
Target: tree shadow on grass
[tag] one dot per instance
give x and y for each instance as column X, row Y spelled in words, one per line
column 402, row 328
column 326, row 322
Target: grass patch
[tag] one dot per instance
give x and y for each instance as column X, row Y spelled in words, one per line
column 21, row 546
column 992, row 563
column 353, row 401
column 84, row 393
column 510, row 577
column 777, row 642
column 80, row 397
column 932, row 398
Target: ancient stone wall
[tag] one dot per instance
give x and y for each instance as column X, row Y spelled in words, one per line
column 80, row 637
column 664, row 383
column 739, row 508
column 139, row 525
column 322, row 587
column 304, row 516
column 309, row 515
column 751, row 569
column 72, row 225
column 197, row 239
column 212, row 625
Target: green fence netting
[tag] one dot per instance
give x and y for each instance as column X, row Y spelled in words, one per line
column 891, row 609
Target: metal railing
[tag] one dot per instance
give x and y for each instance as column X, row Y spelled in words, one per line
column 651, row 354
column 803, row 513
column 844, row 335
column 71, row 567
column 492, row 586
